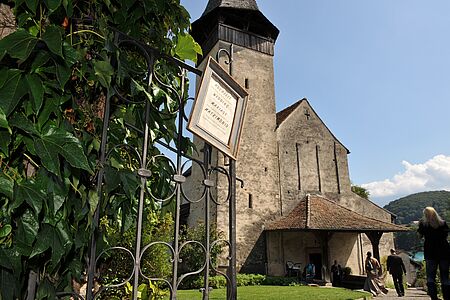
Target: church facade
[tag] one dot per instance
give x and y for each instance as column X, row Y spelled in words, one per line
column 296, row 202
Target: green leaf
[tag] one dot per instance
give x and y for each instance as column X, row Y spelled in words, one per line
column 52, row 4
column 5, row 230
column 41, row 59
column 57, row 140
column 36, row 90
column 136, row 88
column 27, row 229
column 5, row 139
column 32, row 193
column 62, row 73
column 4, row 76
column 32, row 5
column 18, row 120
column 112, row 179
column 187, row 48
column 4, row 121
column 130, row 182
column 46, row 290
column 70, row 54
column 12, row 90
column 48, row 154
column 53, row 38
column 68, row 6
column 18, row 44
column 6, row 186
column 8, row 284
column 93, row 201
column 103, row 71
column 64, row 236
column 58, row 191
column 51, row 106
column 48, row 238
column 10, row 259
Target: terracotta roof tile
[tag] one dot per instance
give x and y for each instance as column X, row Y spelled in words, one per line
column 315, row 212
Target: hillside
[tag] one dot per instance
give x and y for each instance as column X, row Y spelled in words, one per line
column 409, row 208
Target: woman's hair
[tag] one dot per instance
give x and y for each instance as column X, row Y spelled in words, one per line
column 431, row 218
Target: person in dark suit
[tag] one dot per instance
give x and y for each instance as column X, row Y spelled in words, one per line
column 396, row 268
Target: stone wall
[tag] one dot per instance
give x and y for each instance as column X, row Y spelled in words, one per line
column 257, row 161
column 7, row 22
column 312, row 160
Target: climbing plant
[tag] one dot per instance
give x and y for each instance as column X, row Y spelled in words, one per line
column 56, row 73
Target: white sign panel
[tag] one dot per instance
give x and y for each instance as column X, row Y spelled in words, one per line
column 218, row 112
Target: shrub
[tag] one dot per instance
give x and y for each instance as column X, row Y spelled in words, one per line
column 116, row 265
column 220, row 281
column 193, row 255
column 346, row 271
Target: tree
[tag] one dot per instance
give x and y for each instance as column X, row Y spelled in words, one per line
column 56, row 73
column 360, row 191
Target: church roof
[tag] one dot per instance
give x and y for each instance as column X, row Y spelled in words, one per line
column 315, row 212
column 237, row 4
column 282, row 115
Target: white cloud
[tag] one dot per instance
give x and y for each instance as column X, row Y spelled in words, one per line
column 432, row 175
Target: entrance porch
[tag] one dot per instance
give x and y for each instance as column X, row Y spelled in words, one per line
column 320, row 231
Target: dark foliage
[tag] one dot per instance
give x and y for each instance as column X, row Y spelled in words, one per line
column 410, row 209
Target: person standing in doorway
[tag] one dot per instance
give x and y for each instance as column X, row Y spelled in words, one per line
column 436, row 251
column 336, row 274
column 310, row 272
column 396, row 268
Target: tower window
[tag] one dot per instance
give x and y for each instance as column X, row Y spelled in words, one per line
column 246, row 83
column 250, row 201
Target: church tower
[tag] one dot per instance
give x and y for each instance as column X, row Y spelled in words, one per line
column 240, row 23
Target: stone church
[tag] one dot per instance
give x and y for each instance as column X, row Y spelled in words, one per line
column 296, row 202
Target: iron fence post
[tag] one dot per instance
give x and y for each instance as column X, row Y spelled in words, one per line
column 207, row 156
column 93, row 242
column 232, row 290
column 232, row 231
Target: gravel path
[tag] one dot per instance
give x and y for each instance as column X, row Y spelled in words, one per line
column 410, row 294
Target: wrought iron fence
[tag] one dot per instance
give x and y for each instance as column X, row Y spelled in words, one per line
column 173, row 177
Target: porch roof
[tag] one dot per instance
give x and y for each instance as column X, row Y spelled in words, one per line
column 316, row 212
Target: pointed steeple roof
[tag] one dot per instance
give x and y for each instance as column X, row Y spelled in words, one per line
column 237, row 4
column 242, row 15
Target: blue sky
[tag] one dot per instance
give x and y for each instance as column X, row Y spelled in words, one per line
column 378, row 74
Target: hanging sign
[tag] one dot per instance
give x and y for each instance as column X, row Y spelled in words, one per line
column 218, row 111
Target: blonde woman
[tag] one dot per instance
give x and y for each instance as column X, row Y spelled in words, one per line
column 436, row 251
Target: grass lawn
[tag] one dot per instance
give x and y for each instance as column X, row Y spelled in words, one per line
column 267, row 292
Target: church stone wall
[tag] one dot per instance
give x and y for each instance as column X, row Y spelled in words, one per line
column 345, row 248
column 257, row 161
column 311, row 159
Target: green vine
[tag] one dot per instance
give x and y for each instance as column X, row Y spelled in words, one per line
column 55, row 77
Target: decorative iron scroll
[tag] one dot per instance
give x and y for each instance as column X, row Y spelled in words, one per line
column 172, row 164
